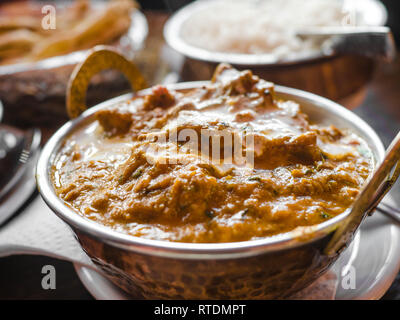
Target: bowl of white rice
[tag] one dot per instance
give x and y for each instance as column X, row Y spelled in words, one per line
column 252, row 32
column 262, row 35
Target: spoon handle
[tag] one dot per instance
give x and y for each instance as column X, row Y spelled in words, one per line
column 388, row 207
column 375, row 42
column 390, row 212
column 342, row 31
column 370, row 197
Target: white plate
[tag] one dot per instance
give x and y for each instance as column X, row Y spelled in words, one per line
column 374, row 254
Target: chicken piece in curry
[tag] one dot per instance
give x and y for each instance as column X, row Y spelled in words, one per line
column 178, row 165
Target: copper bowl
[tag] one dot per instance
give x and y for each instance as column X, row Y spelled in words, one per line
column 341, row 78
column 270, row 268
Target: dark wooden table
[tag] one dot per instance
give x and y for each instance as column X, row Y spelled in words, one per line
column 20, row 276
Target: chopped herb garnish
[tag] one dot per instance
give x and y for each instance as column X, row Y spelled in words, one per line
column 255, row 179
column 325, row 215
column 137, row 173
column 245, row 212
column 309, row 171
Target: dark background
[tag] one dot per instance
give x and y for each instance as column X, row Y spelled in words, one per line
column 172, row 5
column 394, row 16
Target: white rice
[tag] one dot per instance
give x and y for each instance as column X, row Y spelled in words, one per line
column 261, row 26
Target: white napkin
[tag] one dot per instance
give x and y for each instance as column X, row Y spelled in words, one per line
column 38, row 231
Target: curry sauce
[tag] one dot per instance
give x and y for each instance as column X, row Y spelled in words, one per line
column 224, row 162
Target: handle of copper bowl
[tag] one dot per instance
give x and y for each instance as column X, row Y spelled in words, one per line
column 376, row 189
column 99, row 58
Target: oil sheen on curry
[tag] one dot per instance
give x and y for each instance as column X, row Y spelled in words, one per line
column 159, row 166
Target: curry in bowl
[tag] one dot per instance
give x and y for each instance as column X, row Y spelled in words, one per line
column 224, row 162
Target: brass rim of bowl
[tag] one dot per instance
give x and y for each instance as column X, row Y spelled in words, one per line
column 172, row 36
column 190, row 250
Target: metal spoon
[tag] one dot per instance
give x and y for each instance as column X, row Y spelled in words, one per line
column 371, row 41
column 389, row 211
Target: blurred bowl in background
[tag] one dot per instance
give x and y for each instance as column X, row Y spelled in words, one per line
column 33, row 93
column 338, row 77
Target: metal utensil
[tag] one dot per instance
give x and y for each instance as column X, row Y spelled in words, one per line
column 371, row 196
column 20, row 193
column 17, row 147
column 371, row 41
column 389, row 211
column 1, row 111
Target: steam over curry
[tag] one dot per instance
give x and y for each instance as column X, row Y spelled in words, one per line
column 221, row 163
